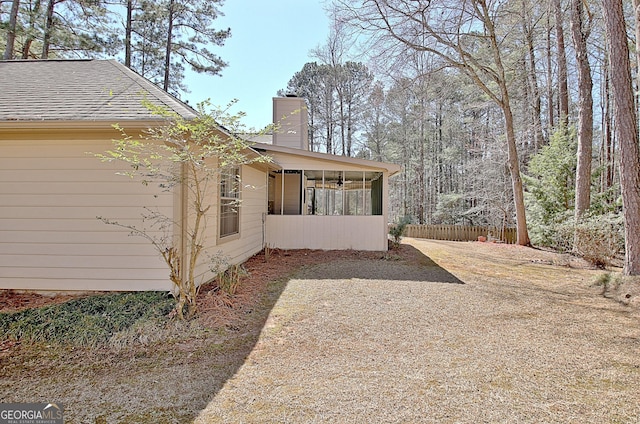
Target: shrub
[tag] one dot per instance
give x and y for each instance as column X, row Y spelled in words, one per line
column 398, row 229
column 623, row 288
column 599, row 239
column 557, row 234
column 550, row 187
column 229, row 280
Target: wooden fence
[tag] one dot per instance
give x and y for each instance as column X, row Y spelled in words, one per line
column 461, row 233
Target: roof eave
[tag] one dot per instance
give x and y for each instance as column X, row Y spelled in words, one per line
column 391, row 168
column 78, row 124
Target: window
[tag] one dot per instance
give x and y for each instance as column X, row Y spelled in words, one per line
column 230, row 202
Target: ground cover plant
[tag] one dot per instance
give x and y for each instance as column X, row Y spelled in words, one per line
column 90, row 320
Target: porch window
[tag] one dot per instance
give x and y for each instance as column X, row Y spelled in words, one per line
column 325, row 192
column 229, row 202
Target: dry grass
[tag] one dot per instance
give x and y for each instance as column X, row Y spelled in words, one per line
column 366, row 337
column 527, row 338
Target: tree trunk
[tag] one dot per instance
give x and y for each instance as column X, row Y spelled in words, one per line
column 11, row 31
column 513, row 160
column 563, row 91
column 312, row 130
column 580, row 33
column 342, row 123
column 421, row 169
column 167, row 58
column 338, row 82
column 48, row 27
column 329, row 118
column 607, row 151
column 514, row 170
column 349, row 130
column 406, row 164
column 626, row 129
column 536, row 110
column 610, row 141
column 636, row 15
column 127, row 37
column 550, row 114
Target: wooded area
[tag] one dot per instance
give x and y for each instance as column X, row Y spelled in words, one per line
column 502, row 113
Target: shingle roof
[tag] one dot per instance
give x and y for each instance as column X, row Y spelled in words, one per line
column 275, row 152
column 79, row 90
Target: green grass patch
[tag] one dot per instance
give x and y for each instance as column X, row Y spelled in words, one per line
column 87, row 321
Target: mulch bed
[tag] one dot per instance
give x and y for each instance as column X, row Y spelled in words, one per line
column 14, row 301
column 214, row 307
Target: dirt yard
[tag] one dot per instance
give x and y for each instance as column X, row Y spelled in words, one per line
column 438, row 332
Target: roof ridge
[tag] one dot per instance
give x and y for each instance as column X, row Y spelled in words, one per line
column 92, row 90
column 149, row 87
column 20, row 60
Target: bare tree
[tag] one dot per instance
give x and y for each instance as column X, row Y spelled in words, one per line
column 550, row 114
column 536, row 102
column 563, row 91
column 187, row 156
column 626, row 125
column 375, row 122
column 580, row 33
column 464, row 35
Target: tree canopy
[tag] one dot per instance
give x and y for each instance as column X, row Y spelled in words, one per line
column 468, row 94
column 158, row 39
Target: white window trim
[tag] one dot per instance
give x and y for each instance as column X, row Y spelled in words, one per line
column 238, row 199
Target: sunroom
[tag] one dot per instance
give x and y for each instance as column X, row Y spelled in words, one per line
column 320, row 201
column 325, row 192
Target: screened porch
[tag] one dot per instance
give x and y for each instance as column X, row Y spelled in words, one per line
column 326, row 209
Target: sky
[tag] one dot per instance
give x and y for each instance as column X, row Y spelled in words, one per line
column 270, row 41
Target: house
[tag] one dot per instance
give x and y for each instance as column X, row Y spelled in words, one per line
column 55, row 115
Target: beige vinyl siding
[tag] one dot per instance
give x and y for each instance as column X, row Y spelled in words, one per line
column 238, row 248
column 51, row 191
column 253, row 207
column 329, row 232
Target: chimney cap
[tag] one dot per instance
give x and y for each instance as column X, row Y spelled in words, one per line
column 291, row 95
